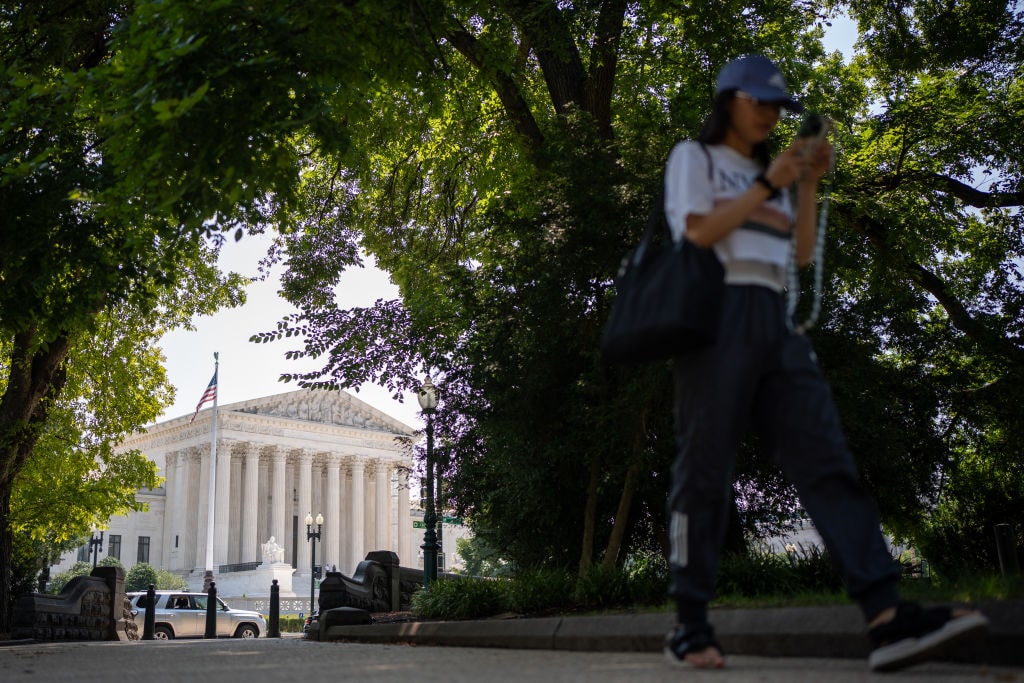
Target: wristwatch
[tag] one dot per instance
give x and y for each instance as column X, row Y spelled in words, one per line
column 773, row 191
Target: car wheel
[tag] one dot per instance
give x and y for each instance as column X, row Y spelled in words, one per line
column 247, row 631
column 163, row 633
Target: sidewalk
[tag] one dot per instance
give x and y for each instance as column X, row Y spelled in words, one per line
column 828, row 632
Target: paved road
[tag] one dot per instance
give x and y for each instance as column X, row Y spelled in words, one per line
column 253, row 661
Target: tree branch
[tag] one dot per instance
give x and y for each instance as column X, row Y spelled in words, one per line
column 967, row 194
column 544, row 27
column 974, row 327
column 511, row 97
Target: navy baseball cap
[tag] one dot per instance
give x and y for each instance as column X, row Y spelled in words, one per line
column 757, row 76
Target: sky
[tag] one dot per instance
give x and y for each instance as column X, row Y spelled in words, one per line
column 249, row 370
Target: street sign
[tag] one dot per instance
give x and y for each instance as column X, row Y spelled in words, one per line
column 420, row 524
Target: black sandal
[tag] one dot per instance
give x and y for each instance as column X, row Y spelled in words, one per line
column 688, row 639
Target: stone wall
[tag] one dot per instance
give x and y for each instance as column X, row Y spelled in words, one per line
column 89, row 608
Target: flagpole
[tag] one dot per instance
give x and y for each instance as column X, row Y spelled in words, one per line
column 213, row 474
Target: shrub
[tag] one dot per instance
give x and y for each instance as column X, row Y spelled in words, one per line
column 647, row 576
column 169, row 581
column 139, row 577
column 601, row 588
column 802, row 572
column 289, row 623
column 754, row 574
column 539, row 591
column 459, row 599
column 761, row 573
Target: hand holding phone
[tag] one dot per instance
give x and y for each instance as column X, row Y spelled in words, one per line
column 814, row 128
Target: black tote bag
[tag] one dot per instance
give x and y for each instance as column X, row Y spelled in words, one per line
column 668, row 298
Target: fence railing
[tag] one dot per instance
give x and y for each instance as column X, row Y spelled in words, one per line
column 239, row 567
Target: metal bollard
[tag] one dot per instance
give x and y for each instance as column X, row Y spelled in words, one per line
column 1006, row 548
column 274, row 627
column 211, row 611
column 149, row 621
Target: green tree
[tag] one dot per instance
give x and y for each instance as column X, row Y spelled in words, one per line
column 481, row 559
column 926, row 255
column 501, row 201
column 82, row 277
column 501, row 198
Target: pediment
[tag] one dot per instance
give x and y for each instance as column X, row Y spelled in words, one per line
column 325, row 407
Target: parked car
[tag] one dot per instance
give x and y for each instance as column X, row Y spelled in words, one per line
column 183, row 615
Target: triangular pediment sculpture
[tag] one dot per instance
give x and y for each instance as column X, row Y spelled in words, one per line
column 326, row 407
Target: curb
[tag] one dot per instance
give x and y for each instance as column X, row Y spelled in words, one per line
column 821, row 632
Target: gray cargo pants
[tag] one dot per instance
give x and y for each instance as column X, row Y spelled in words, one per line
column 760, row 376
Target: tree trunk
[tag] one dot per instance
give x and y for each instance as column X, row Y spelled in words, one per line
column 6, row 551
column 34, row 379
column 611, row 553
column 589, row 518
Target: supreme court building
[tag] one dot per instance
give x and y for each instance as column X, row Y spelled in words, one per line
column 277, row 459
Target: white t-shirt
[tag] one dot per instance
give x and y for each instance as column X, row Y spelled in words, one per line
column 690, row 188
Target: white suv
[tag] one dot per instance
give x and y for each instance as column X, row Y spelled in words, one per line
column 183, row 615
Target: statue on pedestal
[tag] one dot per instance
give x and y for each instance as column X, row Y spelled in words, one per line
column 272, row 552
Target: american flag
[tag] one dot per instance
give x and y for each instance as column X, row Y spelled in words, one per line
column 209, row 395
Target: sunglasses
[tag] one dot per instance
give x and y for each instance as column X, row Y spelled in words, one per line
column 774, row 105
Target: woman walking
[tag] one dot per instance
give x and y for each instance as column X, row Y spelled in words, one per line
column 724, row 191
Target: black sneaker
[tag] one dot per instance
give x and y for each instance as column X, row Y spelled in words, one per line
column 682, row 640
column 917, row 634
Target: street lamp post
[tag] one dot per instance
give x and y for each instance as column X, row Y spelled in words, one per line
column 440, row 465
column 95, row 546
column 313, row 537
column 428, row 402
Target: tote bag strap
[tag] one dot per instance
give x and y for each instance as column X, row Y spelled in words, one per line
column 656, row 216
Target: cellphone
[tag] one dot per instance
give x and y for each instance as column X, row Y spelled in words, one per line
column 815, row 127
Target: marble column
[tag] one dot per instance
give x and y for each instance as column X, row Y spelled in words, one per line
column 222, row 504
column 317, row 497
column 404, row 521
column 194, row 500
column 178, row 523
column 346, row 563
column 263, row 499
column 369, row 511
column 305, row 507
column 280, row 502
column 250, row 505
column 203, row 510
column 235, row 509
column 332, row 515
column 168, row 471
column 382, row 503
column 293, row 539
column 357, row 513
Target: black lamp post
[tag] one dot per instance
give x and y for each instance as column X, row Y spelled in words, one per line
column 442, row 458
column 428, row 402
column 313, row 537
column 95, row 547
